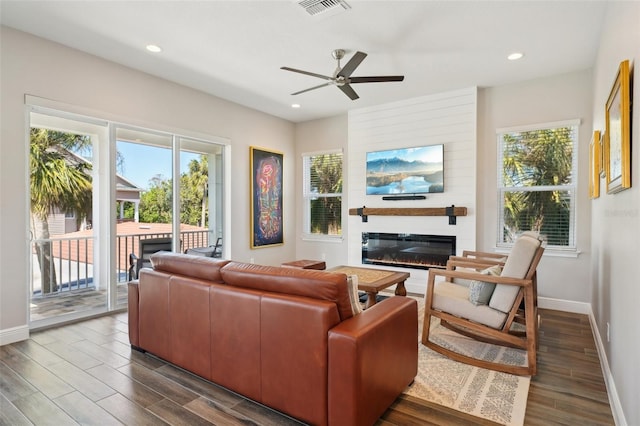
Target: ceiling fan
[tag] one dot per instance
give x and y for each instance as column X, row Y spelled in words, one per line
column 342, row 75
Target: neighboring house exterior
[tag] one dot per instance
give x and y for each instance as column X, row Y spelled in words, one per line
column 128, row 192
column 61, row 222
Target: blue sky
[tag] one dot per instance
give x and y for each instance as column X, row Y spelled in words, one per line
column 143, row 162
column 431, row 154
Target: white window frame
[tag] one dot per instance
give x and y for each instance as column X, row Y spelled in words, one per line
column 572, row 188
column 307, row 196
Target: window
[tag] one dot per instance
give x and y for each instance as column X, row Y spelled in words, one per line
column 103, row 172
column 537, row 183
column 322, row 193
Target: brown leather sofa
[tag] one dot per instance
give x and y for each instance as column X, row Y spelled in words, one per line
column 284, row 337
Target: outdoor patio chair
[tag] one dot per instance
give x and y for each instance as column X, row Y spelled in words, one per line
column 217, row 249
column 147, row 247
column 484, row 299
column 210, row 251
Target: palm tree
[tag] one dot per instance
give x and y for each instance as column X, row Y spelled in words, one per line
column 58, row 181
column 538, row 158
column 194, row 192
column 326, row 178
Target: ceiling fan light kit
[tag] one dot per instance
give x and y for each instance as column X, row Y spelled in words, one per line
column 342, row 75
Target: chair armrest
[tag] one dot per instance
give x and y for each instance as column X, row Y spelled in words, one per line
column 462, row 262
column 373, row 357
column 450, row 274
column 133, row 261
column 484, row 255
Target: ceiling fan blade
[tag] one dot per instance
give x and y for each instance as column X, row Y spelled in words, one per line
column 312, row 88
column 378, row 79
column 353, row 63
column 312, row 74
column 348, row 90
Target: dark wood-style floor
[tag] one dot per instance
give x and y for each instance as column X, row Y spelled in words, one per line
column 86, row 373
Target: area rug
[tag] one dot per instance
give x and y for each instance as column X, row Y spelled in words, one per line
column 488, row 394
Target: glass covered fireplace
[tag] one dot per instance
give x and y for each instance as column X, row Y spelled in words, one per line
column 407, row 250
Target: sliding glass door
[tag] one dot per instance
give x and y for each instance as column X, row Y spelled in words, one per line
column 152, row 204
column 201, row 197
column 144, row 196
column 99, row 192
column 65, row 277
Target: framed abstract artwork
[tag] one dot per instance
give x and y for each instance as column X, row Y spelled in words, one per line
column 594, row 165
column 266, row 197
column 617, row 141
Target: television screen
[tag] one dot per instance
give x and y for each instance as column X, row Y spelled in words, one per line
column 417, row 170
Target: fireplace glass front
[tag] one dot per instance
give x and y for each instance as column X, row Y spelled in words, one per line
column 407, row 250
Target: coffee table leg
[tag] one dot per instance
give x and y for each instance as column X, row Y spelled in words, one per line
column 400, row 290
column 371, row 299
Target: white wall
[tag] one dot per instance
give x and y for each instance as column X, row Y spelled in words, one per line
column 558, row 98
column 37, row 67
column 314, row 136
column 447, row 118
column 615, row 227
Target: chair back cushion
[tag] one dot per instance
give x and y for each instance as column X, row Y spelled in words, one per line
column 516, row 266
column 148, row 247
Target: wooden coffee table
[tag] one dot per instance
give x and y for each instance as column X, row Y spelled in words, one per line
column 372, row 280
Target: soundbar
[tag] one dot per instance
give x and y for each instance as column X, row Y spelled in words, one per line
column 404, row 197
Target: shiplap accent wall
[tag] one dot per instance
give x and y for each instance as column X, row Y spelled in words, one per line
column 446, row 118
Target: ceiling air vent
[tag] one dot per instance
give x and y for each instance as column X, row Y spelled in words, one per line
column 317, row 7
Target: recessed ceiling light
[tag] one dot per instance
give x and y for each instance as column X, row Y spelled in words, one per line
column 295, row 105
column 515, row 56
column 154, row 48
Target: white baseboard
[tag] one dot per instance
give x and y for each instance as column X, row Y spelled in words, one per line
column 565, row 305
column 15, row 334
column 612, row 392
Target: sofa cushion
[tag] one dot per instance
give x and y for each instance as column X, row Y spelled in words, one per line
column 331, row 286
column 204, row 268
column 480, row 291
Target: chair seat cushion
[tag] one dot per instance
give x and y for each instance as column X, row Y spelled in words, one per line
column 454, row 299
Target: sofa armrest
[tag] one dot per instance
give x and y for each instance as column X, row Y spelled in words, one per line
column 373, row 357
column 133, row 298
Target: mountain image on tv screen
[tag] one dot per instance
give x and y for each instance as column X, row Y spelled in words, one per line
column 417, row 170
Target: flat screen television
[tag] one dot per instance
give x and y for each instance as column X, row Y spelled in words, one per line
column 417, row 170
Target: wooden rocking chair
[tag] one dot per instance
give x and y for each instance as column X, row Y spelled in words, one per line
column 514, row 300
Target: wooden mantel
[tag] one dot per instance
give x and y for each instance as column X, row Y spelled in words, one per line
column 398, row 211
column 452, row 212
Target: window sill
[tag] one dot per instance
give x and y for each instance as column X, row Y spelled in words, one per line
column 548, row 252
